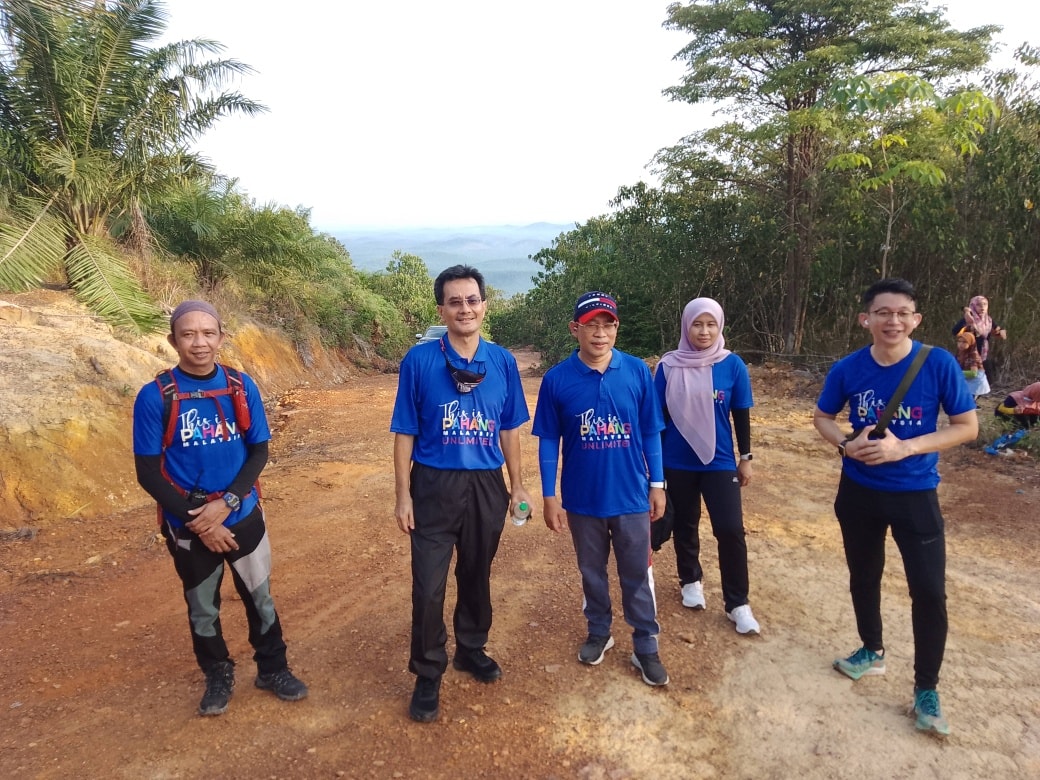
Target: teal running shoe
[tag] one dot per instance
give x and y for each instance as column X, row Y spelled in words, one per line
column 928, row 712
column 862, row 663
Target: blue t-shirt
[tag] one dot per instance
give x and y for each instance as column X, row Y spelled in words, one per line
column 604, row 420
column 456, row 430
column 859, row 381
column 201, row 455
column 732, row 384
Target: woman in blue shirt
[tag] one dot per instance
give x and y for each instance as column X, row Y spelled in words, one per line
column 702, row 385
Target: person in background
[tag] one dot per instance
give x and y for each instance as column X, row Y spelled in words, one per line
column 204, row 482
column 701, row 385
column 890, row 482
column 1022, row 406
column 456, row 419
column 970, row 361
column 601, row 403
column 977, row 321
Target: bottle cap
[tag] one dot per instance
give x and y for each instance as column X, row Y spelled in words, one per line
column 522, row 506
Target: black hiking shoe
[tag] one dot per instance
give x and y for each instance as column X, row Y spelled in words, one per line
column 594, row 649
column 651, row 667
column 283, row 684
column 478, row 663
column 220, row 683
column 426, row 699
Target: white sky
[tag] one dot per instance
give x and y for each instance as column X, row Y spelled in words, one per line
column 412, row 113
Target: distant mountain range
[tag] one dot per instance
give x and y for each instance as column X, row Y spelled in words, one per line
column 500, row 252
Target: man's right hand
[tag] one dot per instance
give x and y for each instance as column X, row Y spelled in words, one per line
column 404, row 515
column 554, row 514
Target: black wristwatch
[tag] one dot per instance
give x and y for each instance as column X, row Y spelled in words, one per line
column 841, row 448
column 233, row 502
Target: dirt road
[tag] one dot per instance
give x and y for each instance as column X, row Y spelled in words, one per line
column 98, row 678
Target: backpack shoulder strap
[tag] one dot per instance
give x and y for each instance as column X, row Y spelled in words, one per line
column 239, row 400
column 171, row 403
column 904, row 385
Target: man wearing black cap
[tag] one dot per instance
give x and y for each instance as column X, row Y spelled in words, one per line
column 601, row 403
column 200, row 443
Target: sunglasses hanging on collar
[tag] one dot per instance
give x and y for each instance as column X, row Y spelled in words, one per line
column 465, row 380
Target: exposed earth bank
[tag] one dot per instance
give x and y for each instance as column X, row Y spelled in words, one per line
column 98, row 678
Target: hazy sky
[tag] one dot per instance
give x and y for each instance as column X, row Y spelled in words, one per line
column 462, row 112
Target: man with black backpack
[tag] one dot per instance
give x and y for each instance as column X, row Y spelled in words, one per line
column 200, row 443
column 895, row 388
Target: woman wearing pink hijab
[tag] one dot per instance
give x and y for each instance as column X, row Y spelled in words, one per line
column 977, row 322
column 701, row 386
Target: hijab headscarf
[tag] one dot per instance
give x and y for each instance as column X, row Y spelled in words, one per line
column 689, row 392
column 969, row 337
column 981, row 324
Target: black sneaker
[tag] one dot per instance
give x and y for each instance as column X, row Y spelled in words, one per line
column 426, row 699
column 651, row 667
column 594, row 649
column 478, row 663
column 220, row 682
column 283, row 684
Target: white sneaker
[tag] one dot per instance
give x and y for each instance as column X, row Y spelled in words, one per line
column 693, row 595
column 746, row 623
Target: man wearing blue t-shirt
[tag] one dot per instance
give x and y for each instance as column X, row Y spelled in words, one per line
column 204, row 482
column 890, row 482
column 456, row 421
column 601, row 403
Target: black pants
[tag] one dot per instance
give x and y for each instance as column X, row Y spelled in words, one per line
column 917, row 528
column 201, row 572
column 454, row 510
column 721, row 492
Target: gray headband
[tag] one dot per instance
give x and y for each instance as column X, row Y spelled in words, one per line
column 190, row 306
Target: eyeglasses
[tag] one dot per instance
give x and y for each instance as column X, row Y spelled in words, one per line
column 902, row 316
column 596, row 327
column 473, row 301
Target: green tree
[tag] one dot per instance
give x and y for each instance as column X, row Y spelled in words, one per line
column 772, row 60
column 93, row 126
column 895, row 111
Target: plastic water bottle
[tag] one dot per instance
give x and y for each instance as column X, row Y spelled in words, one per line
column 522, row 513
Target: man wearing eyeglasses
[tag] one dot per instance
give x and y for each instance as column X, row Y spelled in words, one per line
column 456, row 420
column 601, row 403
column 890, row 481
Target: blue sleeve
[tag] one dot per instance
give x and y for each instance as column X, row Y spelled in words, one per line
column 148, row 426
column 405, row 418
column 548, row 464
column 742, row 398
column 514, row 411
column 654, row 459
column 832, row 398
column 546, row 418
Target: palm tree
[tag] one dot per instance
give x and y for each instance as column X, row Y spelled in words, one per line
column 94, row 126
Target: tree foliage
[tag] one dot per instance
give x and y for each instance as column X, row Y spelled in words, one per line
column 93, row 126
column 771, row 61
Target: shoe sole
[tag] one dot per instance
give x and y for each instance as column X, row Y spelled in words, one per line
column 693, row 604
column 598, row 661
column 211, row 711
column 746, row 631
column 873, row 671
column 422, row 716
column 479, row 676
column 283, row 697
column 931, row 729
column 647, row 680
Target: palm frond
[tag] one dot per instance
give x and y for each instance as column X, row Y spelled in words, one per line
column 104, row 282
column 31, row 247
